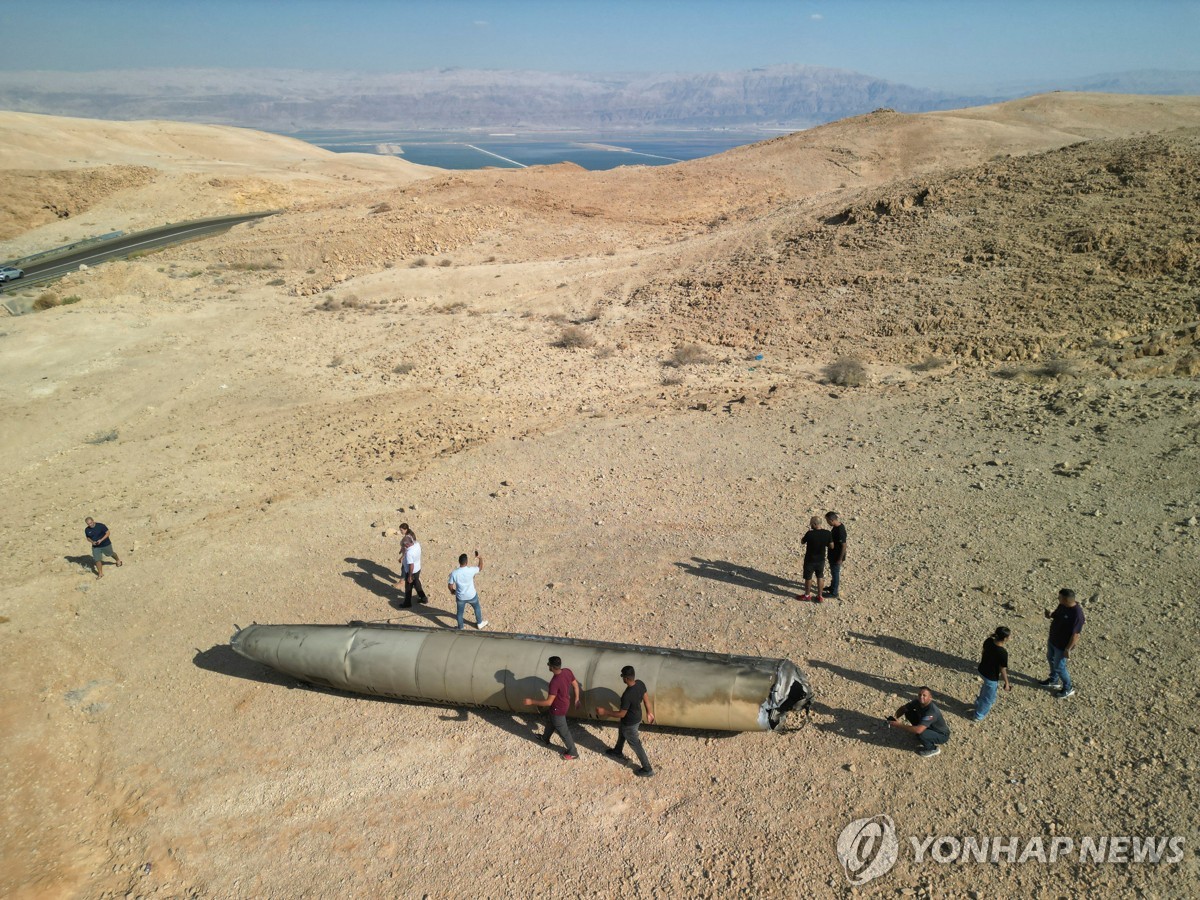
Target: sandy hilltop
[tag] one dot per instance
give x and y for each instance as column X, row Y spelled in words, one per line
column 976, row 334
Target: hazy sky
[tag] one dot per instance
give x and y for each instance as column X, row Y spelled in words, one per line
column 933, row 43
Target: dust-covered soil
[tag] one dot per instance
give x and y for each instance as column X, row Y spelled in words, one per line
column 974, row 334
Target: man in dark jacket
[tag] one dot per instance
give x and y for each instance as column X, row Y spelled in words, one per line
column 1066, row 622
column 925, row 721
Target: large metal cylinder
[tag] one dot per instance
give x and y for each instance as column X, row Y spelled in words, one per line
column 689, row 689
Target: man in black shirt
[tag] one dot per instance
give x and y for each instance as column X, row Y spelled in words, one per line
column 97, row 535
column 630, row 714
column 816, row 544
column 993, row 666
column 837, row 552
column 925, row 721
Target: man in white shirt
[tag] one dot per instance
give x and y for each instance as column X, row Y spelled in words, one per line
column 462, row 583
column 412, row 571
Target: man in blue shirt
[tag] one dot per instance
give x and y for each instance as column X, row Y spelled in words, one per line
column 97, row 535
column 462, row 583
column 1066, row 622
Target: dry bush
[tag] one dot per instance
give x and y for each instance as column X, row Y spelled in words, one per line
column 336, row 361
column 689, row 355
column 330, row 304
column 929, row 364
column 250, row 266
column 1009, row 372
column 456, row 307
column 351, row 301
column 557, row 318
column 102, row 437
column 74, row 298
column 574, row 338
column 403, row 368
column 381, row 208
column 1056, row 367
column 672, row 379
column 847, row 372
column 605, row 352
column 420, row 262
column 445, row 263
column 275, row 282
column 47, row 300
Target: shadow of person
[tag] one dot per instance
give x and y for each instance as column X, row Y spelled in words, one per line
column 369, row 579
column 85, row 561
column 923, row 654
column 382, row 572
column 741, row 576
column 944, row 701
column 858, row 726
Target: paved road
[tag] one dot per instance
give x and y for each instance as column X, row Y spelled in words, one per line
column 126, row 245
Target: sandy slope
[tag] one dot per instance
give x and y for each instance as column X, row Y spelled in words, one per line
column 269, row 423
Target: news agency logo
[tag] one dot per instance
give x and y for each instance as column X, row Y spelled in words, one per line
column 869, row 848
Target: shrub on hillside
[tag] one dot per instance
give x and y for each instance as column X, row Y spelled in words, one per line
column 847, row 372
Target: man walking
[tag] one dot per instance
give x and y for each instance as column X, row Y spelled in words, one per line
column 462, row 582
column 630, row 714
column 1066, row 622
column 412, row 570
column 925, row 721
column 97, row 535
column 562, row 685
column 816, row 543
column 837, row 552
column 993, row 666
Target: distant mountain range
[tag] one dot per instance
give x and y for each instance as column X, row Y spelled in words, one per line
column 790, row 97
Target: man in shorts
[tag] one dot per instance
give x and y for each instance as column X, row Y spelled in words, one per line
column 97, row 535
column 816, row 545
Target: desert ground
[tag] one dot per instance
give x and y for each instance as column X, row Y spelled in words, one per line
column 975, row 334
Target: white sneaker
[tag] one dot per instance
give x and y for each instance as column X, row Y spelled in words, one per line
column 482, row 625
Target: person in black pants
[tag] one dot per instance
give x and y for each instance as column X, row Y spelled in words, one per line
column 412, row 575
column 837, row 552
column 630, row 714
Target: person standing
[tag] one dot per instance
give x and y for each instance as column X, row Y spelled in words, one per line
column 837, row 552
column 405, row 531
column 633, row 700
column 993, row 666
column 562, row 685
column 462, row 582
column 816, row 544
column 1066, row 622
column 925, row 721
column 412, row 570
column 98, row 537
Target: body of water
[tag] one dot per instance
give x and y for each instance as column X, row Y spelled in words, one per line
column 594, row 151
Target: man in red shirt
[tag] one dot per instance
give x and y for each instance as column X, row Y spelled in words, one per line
column 562, row 685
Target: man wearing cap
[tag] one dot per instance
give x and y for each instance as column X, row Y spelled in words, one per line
column 630, row 714
column 562, row 685
column 412, row 570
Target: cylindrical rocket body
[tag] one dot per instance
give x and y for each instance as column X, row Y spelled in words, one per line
column 689, row 689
